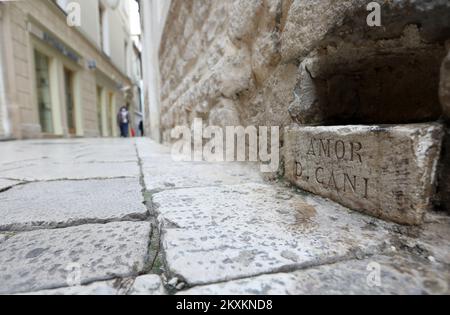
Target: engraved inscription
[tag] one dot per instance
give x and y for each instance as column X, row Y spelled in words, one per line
column 333, row 178
column 386, row 171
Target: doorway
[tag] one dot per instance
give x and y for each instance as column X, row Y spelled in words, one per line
column 42, row 64
column 99, row 111
column 69, row 89
column 111, row 114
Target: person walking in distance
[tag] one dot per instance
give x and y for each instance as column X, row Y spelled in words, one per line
column 123, row 119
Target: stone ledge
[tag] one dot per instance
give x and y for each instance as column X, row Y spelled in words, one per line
column 385, row 171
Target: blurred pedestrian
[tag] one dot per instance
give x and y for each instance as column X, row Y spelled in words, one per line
column 141, row 128
column 123, row 119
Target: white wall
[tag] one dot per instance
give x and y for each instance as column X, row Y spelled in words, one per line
column 154, row 14
column 116, row 32
column 5, row 130
column 90, row 20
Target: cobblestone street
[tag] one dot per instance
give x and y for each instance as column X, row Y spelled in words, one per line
column 113, row 216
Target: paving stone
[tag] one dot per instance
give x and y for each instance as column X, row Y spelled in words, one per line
column 148, row 149
column 432, row 239
column 46, row 170
column 43, row 260
column 397, row 275
column 5, row 183
column 175, row 175
column 143, row 285
column 161, row 172
column 83, row 150
column 385, row 171
column 65, row 203
column 147, row 285
column 97, row 289
column 223, row 233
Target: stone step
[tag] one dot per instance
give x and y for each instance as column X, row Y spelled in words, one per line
column 385, row 171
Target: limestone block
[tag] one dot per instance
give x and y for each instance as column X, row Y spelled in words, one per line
column 310, row 23
column 214, row 234
column 265, row 55
column 48, row 259
column 147, row 285
column 343, row 278
column 224, row 114
column 385, row 171
column 59, row 204
column 235, row 72
column 243, row 18
column 5, row 183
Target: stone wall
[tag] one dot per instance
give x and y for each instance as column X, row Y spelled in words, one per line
column 278, row 63
column 312, row 62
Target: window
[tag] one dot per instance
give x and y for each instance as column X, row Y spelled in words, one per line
column 43, row 92
column 104, row 29
column 125, row 56
column 62, row 4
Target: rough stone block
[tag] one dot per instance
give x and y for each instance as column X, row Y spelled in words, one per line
column 385, row 171
column 344, row 278
column 64, row 203
column 5, row 183
column 176, row 175
column 143, row 285
column 224, row 233
column 311, row 23
column 42, row 260
column 47, row 170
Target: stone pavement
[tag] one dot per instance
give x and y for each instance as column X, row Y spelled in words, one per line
column 113, row 216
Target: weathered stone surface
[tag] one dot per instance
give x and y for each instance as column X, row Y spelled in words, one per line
column 5, row 183
column 320, row 22
column 248, row 51
column 385, row 171
column 143, row 285
column 308, row 22
column 147, row 285
column 64, row 203
column 39, row 260
column 175, row 175
column 95, row 289
column 445, row 86
column 224, row 233
column 148, row 149
column 344, row 278
column 80, row 150
column 46, row 170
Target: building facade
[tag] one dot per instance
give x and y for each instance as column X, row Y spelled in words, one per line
column 65, row 67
